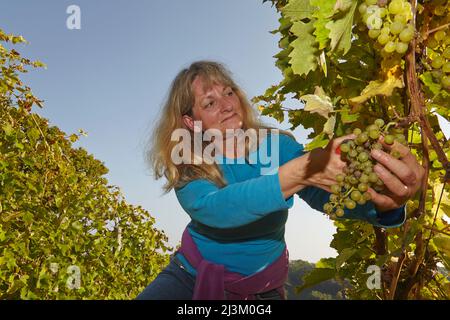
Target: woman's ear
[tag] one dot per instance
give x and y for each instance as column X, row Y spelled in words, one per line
column 188, row 121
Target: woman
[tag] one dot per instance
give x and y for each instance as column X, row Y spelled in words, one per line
column 234, row 246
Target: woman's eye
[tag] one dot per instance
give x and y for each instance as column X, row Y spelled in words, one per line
column 230, row 93
column 209, row 104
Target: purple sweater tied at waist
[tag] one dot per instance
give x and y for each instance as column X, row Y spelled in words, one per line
column 213, row 282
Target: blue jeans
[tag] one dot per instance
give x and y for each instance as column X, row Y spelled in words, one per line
column 175, row 283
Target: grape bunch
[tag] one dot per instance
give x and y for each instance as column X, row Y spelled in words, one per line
column 439, row 43
column 358, row 176
column 389, row 24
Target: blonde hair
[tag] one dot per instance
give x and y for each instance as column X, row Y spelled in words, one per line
column 179, row 102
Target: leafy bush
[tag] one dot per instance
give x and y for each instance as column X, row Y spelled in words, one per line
column 64, row 232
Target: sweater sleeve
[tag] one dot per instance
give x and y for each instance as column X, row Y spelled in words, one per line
column 234, row 205
column 316, row 197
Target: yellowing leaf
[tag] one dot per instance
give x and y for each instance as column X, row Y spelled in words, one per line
column 393, row 80
column 318, row 103
column 328, row 128
column 443, row 208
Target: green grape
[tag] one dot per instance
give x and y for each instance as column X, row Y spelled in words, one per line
column 356, row 131
column 396, row 7
column 400, row 137
column 390, row 47
column 353, row 180
column 359, row 149
column 401, row 18
column 437, row 74
column 340, row 212
column 363, row 156
column 350, row 204
column 345, row 148
column 379, row 123
column 401, row 47
column 379, row 182
column 373, row 177
column 439, row 35
column 363, row 187
column 362, row 8
column 327, row 208
column 389, row 139
column 446, row 67
column 353, row 153
column 383, row 12
column 446, row 52
column 432, row 43
column 374, row 134
column 447, row 41
column 439, row 10
column 364, row 178
column 374, row 33
column 397, row 27
column 368, row 170
column 372, row 127
column 437, row 62
column 362, row 137
column 340, row 177
column 406, row 35
column 355, row 195
column 361, row 201
column 445, row 81
column 383, row 38
column 377, row 146
column 385, row 30
column 334, row 198
column 335, row 188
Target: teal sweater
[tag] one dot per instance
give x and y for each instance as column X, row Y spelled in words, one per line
column 242, row 225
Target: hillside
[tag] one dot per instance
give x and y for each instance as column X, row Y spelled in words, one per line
column 328, row 290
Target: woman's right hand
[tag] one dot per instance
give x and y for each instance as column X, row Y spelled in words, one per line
column 325, row 164
column 318, row 168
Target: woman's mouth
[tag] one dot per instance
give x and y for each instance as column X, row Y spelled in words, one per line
column 229, row 117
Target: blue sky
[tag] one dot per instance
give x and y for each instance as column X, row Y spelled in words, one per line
column 111, row 77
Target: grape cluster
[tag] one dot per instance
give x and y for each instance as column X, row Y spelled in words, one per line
column 388, row 23
column 358, row 176
column 439, row 43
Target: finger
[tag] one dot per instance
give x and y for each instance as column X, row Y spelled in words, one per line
column 338, row 141
column 397, row 187
column 381, row 200
column 398, row 167
column 405, row 152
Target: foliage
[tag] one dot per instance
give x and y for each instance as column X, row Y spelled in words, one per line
column 345, row 79
column 64, row 232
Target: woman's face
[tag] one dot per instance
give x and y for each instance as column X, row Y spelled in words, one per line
column 217, row 107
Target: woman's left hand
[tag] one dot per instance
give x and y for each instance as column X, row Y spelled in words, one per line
column 402, row 177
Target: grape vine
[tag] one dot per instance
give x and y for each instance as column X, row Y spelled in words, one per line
column 358, row 64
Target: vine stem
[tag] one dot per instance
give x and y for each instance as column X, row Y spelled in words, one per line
column 438, row 28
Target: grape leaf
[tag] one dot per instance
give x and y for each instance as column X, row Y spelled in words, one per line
column 341, row 31
column 328, row 128
column 298, row 10
column 319, row 141
column 427, row 80
column 316, row 104
column 316, row 276
column 323, row 16
column 303, row 56
column 380, row 87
